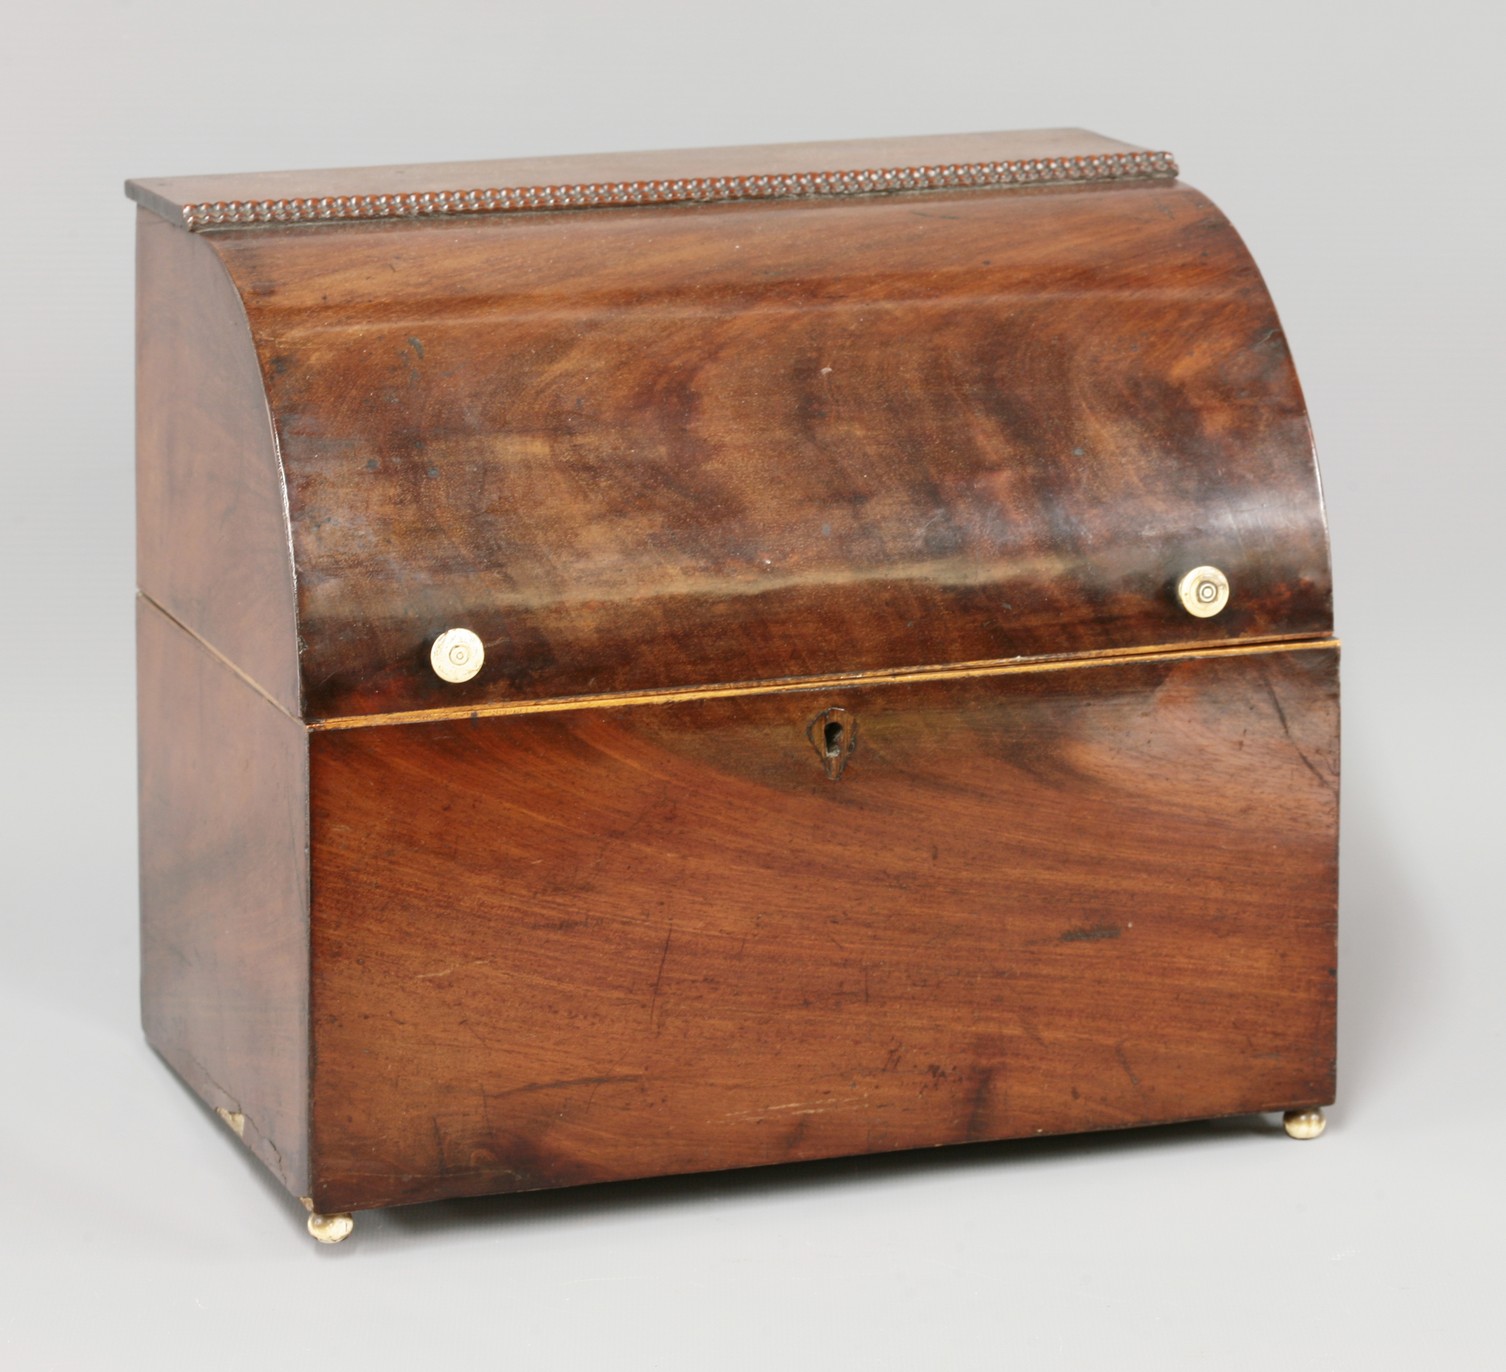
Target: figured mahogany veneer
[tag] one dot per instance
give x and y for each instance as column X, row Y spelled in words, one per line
column 844, row 773
column 693, row 445
column 613, row 943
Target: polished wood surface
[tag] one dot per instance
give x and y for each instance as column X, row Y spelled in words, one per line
column 170, row 196
column 212, row 542
column 844, row 774
column 224, row 890
column 581, row 945
column 676, row 447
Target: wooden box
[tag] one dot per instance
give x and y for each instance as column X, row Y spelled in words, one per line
column 692, row 660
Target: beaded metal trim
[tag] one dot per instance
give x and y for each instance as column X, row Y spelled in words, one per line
column 1127, row 166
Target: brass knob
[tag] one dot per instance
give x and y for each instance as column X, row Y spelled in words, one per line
column 1204, row 591
column 457, row 655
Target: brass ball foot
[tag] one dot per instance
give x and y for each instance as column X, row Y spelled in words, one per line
column 1304, row 1124
column 328, row 1228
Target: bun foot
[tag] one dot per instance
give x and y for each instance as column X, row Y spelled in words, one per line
column 1305, row 1124
column 328, row 1228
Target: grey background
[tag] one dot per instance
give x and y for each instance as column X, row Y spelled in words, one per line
column 1358, row 149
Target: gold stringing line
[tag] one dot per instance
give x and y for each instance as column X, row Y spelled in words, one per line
column 899, row 677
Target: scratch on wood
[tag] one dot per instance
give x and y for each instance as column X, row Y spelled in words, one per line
column 653, row 1000
column 1287, row 730
column 445, row 971
column 797, row 1107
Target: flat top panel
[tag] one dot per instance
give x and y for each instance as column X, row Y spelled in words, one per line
column 171, row 196
column 674, row 447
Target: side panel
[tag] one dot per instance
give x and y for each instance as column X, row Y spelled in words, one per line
column 583, row 945
column 224, row 891
column 212, row 543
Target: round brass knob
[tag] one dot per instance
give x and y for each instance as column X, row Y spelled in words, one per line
column 457, row 655
column 1204, row 591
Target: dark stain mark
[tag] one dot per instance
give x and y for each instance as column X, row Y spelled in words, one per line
column 977, row 1119
column 417, row 347
column 560, row 1086
column 1092, row 932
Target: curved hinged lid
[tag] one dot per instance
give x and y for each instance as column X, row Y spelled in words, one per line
column 669, row 446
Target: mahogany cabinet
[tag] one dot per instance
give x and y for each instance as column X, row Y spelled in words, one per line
column 692, row 660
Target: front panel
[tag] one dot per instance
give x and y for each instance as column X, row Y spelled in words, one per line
column 586, row 944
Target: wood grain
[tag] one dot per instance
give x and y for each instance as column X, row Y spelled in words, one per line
column 676, row 447
column 571, row 947
column 224, row 890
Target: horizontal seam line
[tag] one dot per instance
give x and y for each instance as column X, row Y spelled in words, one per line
column 732, row 690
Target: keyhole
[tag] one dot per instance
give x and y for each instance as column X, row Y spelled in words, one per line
column 834, row 735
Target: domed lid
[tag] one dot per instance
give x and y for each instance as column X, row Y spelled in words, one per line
column 672, row 422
